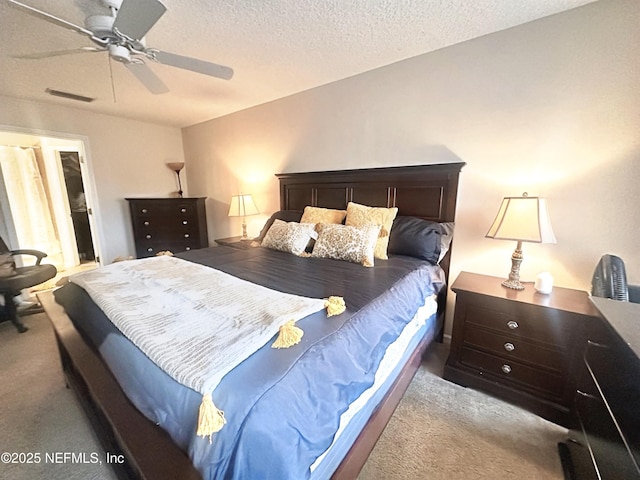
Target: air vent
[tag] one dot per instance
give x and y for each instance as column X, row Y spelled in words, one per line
column 70, row 96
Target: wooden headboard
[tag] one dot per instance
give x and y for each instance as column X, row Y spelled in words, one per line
column 424, row 191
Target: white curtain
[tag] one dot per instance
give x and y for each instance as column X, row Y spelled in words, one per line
column 28, row 202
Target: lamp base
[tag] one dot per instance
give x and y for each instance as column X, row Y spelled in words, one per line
column 514, row 275
column 513, row 284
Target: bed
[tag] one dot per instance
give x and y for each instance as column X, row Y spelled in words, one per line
column 425, row 192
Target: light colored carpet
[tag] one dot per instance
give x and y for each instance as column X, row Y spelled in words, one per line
column 440, row 430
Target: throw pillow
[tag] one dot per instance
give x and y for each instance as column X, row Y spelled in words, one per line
column 341, row 242
column 322, row 215
column 363, row 215
column 289, row 237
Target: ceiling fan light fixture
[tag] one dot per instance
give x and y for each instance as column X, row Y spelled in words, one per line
column 120, row 53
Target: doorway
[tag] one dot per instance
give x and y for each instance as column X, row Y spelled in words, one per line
column 50, row 210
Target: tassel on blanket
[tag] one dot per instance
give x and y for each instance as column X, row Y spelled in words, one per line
column 334, row 306
column 289, row 335
column 210, row 419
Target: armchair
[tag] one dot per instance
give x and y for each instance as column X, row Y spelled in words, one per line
column 14, row 279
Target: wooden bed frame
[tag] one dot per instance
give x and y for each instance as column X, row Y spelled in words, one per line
column 427, row 191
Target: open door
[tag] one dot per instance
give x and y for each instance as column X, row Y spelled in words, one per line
column 79, row 212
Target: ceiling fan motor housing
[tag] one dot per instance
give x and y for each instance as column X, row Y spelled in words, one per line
column 101, row 26
column 112, row 3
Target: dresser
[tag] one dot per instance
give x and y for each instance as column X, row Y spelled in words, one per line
column 519, row 345
column 606, row 443
column 174, row 224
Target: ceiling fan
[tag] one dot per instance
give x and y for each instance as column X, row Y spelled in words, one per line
column 122, row 35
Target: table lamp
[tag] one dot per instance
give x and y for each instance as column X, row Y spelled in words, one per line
column 242, row 206
column 523, row 219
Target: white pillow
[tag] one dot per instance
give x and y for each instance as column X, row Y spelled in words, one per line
column 290, row 237
column 349, row 243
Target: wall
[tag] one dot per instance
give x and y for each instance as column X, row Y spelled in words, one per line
column 550, row 107
column 126, row 158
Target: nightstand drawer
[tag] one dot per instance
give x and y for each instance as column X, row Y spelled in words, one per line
column 514, row 348
column 517, row 320
column 510, row 371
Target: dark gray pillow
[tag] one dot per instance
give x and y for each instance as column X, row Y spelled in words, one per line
column 284, row 215
column 415, row 237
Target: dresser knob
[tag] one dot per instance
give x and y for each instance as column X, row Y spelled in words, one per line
column 144, row 210
column 184, row 222
column 146, row 224
column 186, row 235
column 506, row 368
column 183, row 210
column 188, row 248
column 148, row 236
column 509, row 347
column 149, row 249
column 512, row 325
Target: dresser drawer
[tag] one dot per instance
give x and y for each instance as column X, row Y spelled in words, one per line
column 510, row 371
column 148, row 249
column 165, row 226
column 515, row 348
column 607, row 446
column 165, row 209
column 517, row 320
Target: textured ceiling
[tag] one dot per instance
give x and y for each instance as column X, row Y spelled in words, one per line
column 276, row 48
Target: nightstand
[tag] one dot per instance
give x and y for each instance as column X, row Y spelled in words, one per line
column 520, row 346
column 235, row 242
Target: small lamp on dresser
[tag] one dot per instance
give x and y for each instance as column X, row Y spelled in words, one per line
column 523, row 219
column 243, row 206
column 176, row 167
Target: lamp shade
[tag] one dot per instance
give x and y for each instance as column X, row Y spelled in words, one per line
column 524, row 219
column 242, row 206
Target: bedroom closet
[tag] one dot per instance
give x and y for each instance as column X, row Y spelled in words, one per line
column 44, row 200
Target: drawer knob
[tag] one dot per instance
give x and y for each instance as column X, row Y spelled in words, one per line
column 512, row 325
column 144, row 210
column 183, row 210
column 146, row 224
column 184, row 222
column 186, row 235
column 506, row 368
column 188, row 248
column 148, row 236
column 509, row 347
column 149, row 249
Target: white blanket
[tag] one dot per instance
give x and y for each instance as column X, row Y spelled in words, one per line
column 194, row 322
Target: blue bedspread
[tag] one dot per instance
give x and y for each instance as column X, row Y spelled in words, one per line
column 282, row 406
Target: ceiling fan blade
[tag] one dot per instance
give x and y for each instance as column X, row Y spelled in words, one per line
column 193, row 64
column 147, row 77
column 136, row 17
column 37, row 56
column 50, row 18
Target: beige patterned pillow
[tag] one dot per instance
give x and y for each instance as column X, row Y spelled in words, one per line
column 322, row 215
column 352, row 244
column 362, row 215
column 289, row 237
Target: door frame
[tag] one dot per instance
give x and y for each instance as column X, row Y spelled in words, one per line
column 54, row 142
